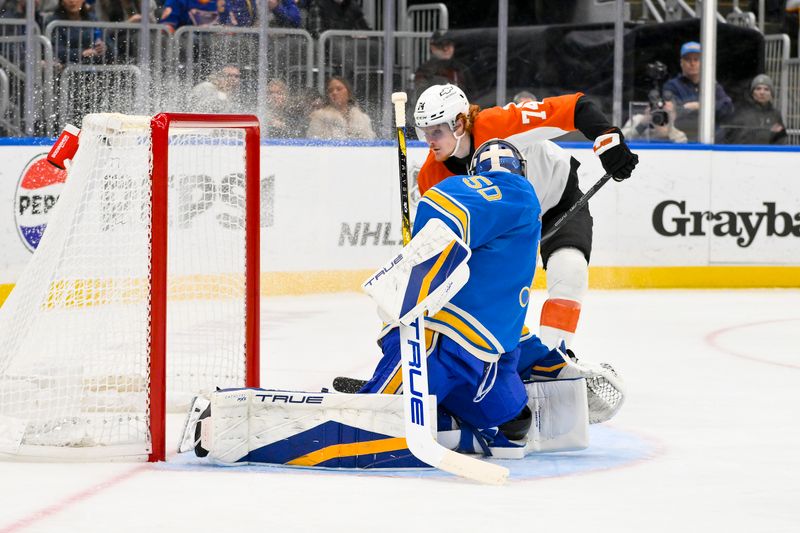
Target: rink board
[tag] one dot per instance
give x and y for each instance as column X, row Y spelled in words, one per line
column 692, row 216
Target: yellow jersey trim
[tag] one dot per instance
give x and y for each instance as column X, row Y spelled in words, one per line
column 450, row 206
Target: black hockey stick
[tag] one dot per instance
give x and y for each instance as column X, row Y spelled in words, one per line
column 577, row 206
column 399, row 100
column 419, row 424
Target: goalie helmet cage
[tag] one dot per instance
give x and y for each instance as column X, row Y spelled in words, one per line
column 111, row 314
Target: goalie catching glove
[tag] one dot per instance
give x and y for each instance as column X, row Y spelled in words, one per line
column 423, row 277
column 605, row 390
column 614, row 154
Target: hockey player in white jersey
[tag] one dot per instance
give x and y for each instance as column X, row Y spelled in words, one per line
column 453, row 129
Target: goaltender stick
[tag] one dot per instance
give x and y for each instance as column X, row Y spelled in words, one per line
column 474, row 314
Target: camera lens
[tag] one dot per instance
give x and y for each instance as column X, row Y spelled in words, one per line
column 659, row 117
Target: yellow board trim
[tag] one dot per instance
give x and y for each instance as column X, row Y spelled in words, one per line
column 678, row 277
column 349, row 450
column 694, row 277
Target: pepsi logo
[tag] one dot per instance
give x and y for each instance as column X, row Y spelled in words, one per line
column 37, row 192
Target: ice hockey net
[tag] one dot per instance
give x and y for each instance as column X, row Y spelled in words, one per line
column 145, row 286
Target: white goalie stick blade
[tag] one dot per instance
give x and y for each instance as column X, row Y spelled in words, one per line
column 419, row 430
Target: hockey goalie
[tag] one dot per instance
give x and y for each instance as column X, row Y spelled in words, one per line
column 466, row 275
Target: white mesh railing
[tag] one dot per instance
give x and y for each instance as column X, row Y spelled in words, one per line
column 23, row 115
column 358, row 57
column 85, row 89
column 428, row 17
column 3, row 92
column 82, row 83
column 200, row 51
column 776, row 52
column 792, row 116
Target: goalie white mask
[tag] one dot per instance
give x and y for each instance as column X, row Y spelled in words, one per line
column 497, row 155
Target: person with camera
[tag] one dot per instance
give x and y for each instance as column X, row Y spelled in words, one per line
column 655, row 124
column 656, row 119
column 685, row 90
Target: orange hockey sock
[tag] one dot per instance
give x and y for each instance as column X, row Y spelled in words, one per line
column 559, row 320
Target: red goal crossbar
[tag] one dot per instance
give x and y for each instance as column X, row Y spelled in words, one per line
column 159, row 132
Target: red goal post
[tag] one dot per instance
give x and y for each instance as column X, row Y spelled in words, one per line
column 159, row 131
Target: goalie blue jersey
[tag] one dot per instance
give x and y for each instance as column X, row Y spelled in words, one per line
column 499, row 217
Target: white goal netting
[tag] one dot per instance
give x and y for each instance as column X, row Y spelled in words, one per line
column 75, row 331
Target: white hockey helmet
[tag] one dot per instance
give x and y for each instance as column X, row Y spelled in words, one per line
column 440, row 104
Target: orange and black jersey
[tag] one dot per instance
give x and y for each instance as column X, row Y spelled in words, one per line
column 522, row 125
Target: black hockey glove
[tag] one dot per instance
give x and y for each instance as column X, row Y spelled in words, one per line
column 615, row 155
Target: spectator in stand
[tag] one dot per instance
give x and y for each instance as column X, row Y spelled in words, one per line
column 219, row 93
column 757, row 121
column 179, row 13
column 643, row 127
column 280, row 114
column 16, row 9
column 334, row 15
column 77, row 45
column 122, row 10
column 685, row 91
column 308, row 100
column 46, row 9
column 237, row 12
column 442, row 68
column 283, row 14
column 123, row 43
column 340, row 118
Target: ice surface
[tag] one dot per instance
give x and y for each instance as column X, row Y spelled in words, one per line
column 707, row 441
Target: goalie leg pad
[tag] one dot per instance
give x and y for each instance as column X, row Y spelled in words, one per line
column 257, row 426
column 559, row 423
column 560, row 416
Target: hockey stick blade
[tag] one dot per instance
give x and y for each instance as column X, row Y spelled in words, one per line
column 419, row 437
